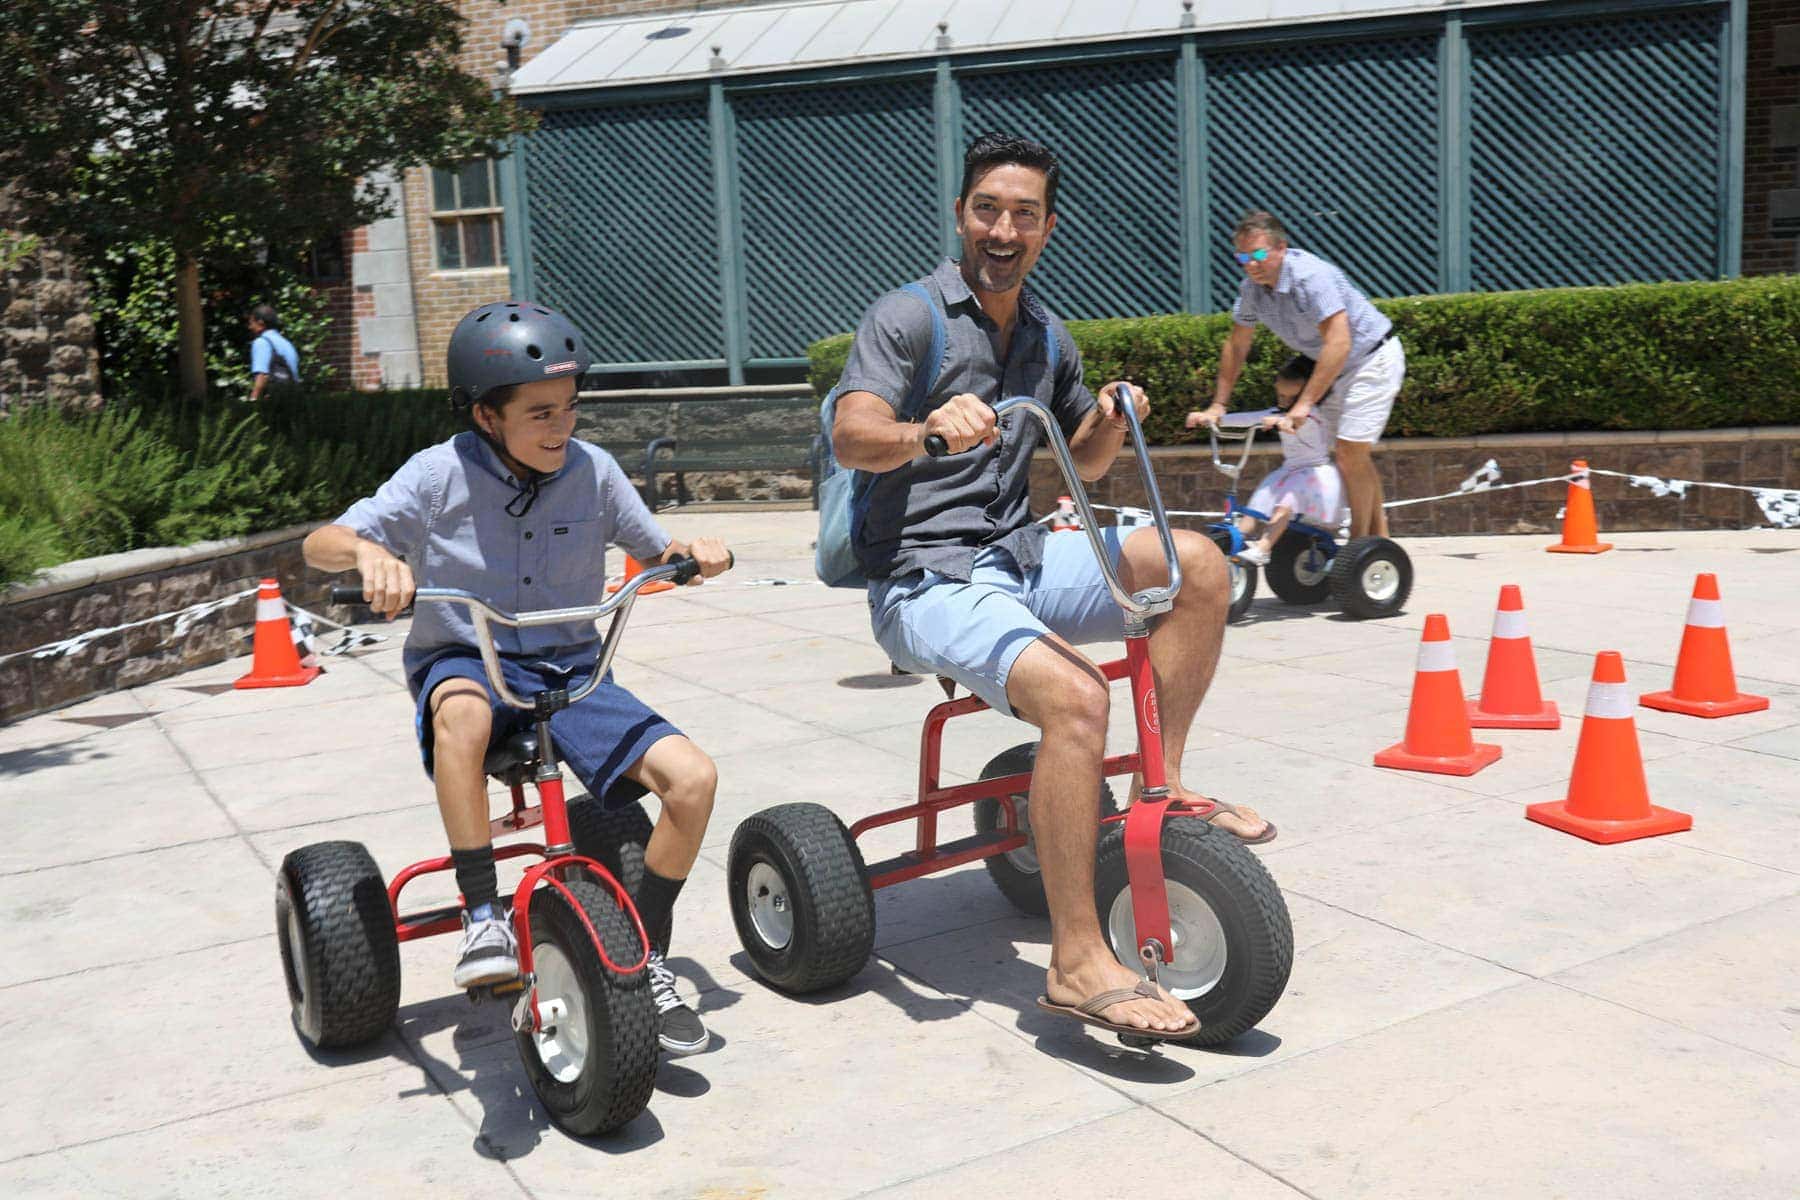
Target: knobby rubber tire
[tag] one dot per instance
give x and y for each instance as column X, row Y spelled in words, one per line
column 1024, row 888
column 1242, row 594
column 613, row 838
column 833, row 910
column 1282, row 571
column 1347, row 577
column 1259, row 937
column 346, row 988
column 620, row 1071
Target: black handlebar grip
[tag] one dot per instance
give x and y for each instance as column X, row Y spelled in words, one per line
column 685, row 568
column 347, row 595
column 936, row 446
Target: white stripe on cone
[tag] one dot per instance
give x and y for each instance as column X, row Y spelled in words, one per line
column 271, row 610
column 1706, row 614
column 1610, row 701
column 1509, row 623
column 1437, row 656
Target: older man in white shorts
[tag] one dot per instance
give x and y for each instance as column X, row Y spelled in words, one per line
column 1310, row 305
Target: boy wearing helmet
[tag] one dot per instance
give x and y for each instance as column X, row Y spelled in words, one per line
column 519, row 512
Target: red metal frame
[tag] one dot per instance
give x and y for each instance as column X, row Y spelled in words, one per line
column 1143, row 820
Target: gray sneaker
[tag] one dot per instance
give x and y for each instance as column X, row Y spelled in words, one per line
column 678, row 1027
column 489, row 952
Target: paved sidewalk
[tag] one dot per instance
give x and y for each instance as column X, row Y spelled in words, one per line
column 1479, row 1007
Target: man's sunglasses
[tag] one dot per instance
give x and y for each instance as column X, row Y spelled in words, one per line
column 1254, row 256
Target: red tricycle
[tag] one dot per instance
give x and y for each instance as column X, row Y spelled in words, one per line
column 1180, row 901
column 582, row 1013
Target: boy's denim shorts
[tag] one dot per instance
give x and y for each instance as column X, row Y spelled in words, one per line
column 599, row 739
column 973, row 632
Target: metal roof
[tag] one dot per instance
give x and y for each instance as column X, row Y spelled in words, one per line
column 619, row 51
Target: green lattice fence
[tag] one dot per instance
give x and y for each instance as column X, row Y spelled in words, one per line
column 1117, row 245
column 838, row 192
column 623, row 233
column 1595, row 151
column 1340, row 141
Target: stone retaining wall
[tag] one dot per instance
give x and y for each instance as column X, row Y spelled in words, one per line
column 1766, row 457
column 120, row 589
column 47, row 349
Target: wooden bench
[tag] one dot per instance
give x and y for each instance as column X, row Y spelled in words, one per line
column 681, row 434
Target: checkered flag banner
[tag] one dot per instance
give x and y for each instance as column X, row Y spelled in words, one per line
column 1482, row 478
column 1130, row 518
column 1781, row 509
column 1660, row 487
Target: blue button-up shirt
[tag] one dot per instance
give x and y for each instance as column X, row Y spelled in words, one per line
column 444, row 512
column 1308, row 290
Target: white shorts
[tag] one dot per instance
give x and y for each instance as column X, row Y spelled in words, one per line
column 1357, row 407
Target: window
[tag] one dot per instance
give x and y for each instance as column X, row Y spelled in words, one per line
column 466, row 221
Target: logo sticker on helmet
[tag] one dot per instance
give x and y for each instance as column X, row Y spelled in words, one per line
column 553, row 368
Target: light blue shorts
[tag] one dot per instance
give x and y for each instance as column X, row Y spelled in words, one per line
column 972, row 632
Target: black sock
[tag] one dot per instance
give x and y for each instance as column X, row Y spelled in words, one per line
column 475, row 876
column 655, row 902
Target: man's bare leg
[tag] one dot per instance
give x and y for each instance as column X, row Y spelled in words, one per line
column 1362, row 488
column 1055, row 688
column 1184, row 647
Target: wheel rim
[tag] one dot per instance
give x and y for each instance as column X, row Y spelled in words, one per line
column 563, row 1047
column 1200, row 953
column 298, row 968
column 771, row 908
column 1381, row 580
column 1311, row 566
column 1025, row 857
column 1240, row 581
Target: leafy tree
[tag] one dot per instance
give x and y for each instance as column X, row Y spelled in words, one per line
column 198, row 124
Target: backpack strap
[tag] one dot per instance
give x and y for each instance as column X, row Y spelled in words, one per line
column 925, row 380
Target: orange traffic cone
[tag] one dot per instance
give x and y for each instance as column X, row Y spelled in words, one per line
column 1608, row 799
column 276, row 663
column 1581, row 531
column 1437, row 725
column 1064, row 517
column 1510, row 698
column 632, row 568
column 1705, row 685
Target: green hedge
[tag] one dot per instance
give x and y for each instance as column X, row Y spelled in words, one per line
column 148, row 474
column 1641, row 356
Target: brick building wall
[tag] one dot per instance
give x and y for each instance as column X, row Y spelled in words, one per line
column 1772, row 137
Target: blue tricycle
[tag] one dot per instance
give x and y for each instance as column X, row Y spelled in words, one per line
column 1366, row 577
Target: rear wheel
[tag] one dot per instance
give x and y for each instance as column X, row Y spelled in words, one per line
column 1371, row 577
column 1243, row 575
column 1016, row 872
column 800, row 897
column 1233, row 942
column 1299, row 569
column 338, row 947
column 593, row 1061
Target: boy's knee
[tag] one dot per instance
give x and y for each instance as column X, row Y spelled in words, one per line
column 692, row 784
column 462, row 720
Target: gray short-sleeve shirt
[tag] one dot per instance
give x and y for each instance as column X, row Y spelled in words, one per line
column 1307, row 291
column 444, row 512
column 937, row 513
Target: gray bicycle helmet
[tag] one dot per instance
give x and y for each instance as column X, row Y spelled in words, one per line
column 510, row 342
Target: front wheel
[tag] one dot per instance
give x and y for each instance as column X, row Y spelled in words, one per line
column 1371, row 577
column 1299, row 569
column 1016, row 872
column 338, row 947
column 1233, row 942
column 800, row 897
column 1243, row 575
column 593, row 1061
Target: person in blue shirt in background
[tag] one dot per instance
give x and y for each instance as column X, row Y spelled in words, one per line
column 519, row 512
column 272, row 357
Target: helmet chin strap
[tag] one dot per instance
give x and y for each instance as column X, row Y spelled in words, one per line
column 530, row 477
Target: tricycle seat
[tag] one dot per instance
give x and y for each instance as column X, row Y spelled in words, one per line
column 519, row 750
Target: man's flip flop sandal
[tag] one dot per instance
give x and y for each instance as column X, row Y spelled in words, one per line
column 1221, row 806
column 1088, row 1013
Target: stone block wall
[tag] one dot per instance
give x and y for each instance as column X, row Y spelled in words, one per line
column 1416, row 467
column 47, row 348
column 122, row 589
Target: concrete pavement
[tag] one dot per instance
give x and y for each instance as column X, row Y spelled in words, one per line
column 1479, row 1006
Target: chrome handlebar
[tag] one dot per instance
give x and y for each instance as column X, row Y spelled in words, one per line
column 1237, row 427
column 1145, row 603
